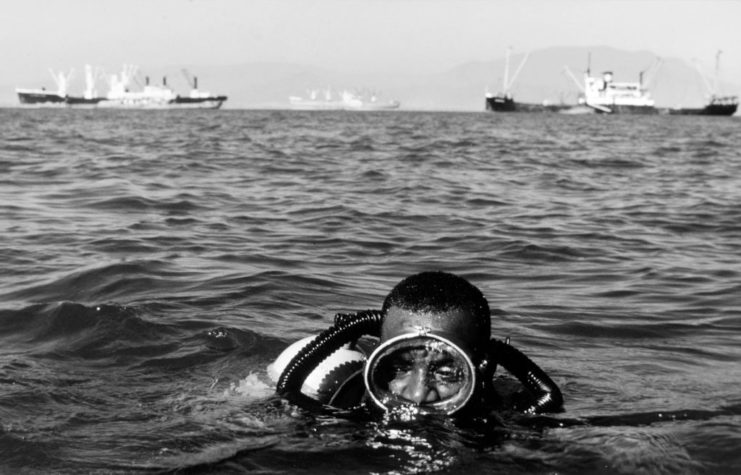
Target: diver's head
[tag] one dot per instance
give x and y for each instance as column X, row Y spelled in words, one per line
column 434, row 334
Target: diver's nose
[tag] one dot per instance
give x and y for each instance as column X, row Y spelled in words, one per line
column 417, row 390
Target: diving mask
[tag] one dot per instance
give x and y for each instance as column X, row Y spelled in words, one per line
column 425, row 370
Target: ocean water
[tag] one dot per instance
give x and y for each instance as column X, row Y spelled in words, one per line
column 155, row 262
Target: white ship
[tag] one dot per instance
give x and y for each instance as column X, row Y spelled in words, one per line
column 315, row 100
column 606, row 96
column 611, row 97
column 150, row 96
column 344, row 100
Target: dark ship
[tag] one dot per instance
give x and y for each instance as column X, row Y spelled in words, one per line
column 43, row 97
column 717, row 104
column 504, row 102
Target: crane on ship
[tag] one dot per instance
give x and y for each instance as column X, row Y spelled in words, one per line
column 712, row 88
column 506, row 81
column 62, row 80
column 579, row 85
column 192, row 80
column 651, row 72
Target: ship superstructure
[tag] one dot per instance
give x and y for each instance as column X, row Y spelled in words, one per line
column 606, row 95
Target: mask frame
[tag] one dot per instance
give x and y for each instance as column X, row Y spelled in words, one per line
column 384, row 399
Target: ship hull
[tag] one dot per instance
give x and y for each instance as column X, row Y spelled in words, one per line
column 339, row 106
column 212, row 102
column 500, row 104
column 712, row 109
column 624, row 109
column 315, row 106
column 40, row 98
column 75, row 101
column 201, row 103
column 371, row 107
column 344, row 101
column 49, row 100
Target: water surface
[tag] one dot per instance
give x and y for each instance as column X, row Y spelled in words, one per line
column 154, row 263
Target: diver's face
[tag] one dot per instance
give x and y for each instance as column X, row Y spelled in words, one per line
column 422, row 360
column 425, row 374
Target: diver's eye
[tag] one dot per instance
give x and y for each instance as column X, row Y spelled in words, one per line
column 448, row 374
column 400, row 368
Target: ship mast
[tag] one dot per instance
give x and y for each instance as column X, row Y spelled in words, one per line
column 711, row 87
column 505, row 80
column 716, row 80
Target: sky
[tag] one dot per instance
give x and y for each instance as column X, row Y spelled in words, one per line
column 385, row 36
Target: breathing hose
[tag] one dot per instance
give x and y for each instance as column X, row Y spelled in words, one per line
column 548, row 396
column 347, row 328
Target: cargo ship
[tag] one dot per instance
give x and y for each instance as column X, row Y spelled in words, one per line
column 344, row 100
column 503, row 101
column 717, row 103
column 120, row 94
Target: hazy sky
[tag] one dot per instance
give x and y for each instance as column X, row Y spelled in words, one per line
column 367, row 35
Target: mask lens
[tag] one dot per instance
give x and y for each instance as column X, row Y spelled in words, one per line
column 423, row 371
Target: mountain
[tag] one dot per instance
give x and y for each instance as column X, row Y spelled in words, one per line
column 268, row 85
column 674, row 82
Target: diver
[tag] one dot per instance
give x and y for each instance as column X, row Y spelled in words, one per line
column 429, row 349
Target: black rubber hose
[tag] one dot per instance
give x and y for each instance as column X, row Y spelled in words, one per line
column 548, row 396
column 347, row 328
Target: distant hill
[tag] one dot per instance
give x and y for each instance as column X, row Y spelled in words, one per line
column 268, row 85
column 675, row 83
